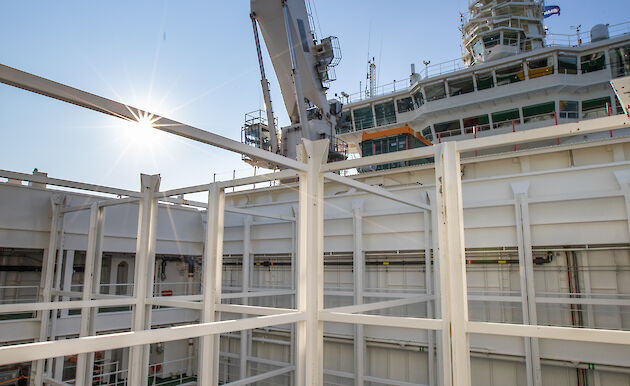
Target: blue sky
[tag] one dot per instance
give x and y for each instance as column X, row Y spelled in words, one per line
column 194, row 61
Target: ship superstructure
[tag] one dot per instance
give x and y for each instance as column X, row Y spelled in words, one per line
column 495, row 29
column 527, row 89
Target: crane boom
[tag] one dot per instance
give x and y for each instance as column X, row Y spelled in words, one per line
column 302, row 65
column 264, row 83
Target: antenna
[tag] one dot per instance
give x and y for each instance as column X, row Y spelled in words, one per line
column 371, row 79
column 426, row 68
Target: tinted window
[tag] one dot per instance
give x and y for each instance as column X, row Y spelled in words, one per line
column 404, row 105
column 510, row 74
column 592, row 62
column 363, row 118
column 385, row 113
column 484, row 80
column 567, row 64
column 460, row 86
column 435, row 91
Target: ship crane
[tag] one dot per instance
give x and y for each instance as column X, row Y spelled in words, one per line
column 304, row 68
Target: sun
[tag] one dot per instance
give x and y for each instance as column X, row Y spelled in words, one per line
column 141, row 133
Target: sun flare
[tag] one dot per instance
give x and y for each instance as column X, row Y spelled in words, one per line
column 141, row 133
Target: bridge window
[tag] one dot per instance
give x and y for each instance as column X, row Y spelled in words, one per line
column 435, row 91
column 345, row 122
column 492, row 40
column 539, row 112
column 363, row 118
column 568, row 109
column 418, row 99
column 477, row 49
column 461, row 86
column 567, row 64
column 484, row 80
column 385, row 113
column 426, row 133
column 620, row 61
column 404, row 104
column 505, row 118
column 511, row 74
column 595, row 108
column 510, row 38
column 447, row 129
column 478, row 123
column 593, row 62
column 540, row 67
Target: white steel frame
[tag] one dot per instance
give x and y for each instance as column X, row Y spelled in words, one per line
column 444, row 210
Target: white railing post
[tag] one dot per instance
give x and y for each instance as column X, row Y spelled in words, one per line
column 85, row 362
column 211, row 285
column 358, row 260
column 453, row 291
column 46, row 282
column 246, row 265
column 310, row 264
column 138, row 368
column 526, row 272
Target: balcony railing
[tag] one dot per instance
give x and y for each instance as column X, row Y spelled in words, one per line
column 454, row 65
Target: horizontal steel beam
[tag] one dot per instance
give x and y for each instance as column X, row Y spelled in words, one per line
column 252, row 310
column 256, row 294
column 281, row 175
column 49, row 88
column 64, row 305
column 249, row 212
column 101, row 204
column 167, row 302
column 376, row 190
column 403, row 155
column 384, row 321
column 230, row 183
column 553, row 300
column 53, row 349
column 549, row 132
column 381, row 305
column 550, row 332
column 68, row 184
column 261, row 377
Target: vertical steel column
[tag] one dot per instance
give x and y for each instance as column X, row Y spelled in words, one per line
column 450, row 219
column 526, row 272
column 623, row 179
column 55, row 365
column 358, row 262
column 85, row 361
column 292, row 348
column 68, row 271
column 46, row 281
column 310, row 264
column 211, row 285
column 428, row 284
column 442, row 366
column 138, row 367
column 247, row 224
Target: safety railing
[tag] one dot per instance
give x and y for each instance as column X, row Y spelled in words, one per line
column 171, row 373
column 584, row 37
column 387, row 88
column 476, row 128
